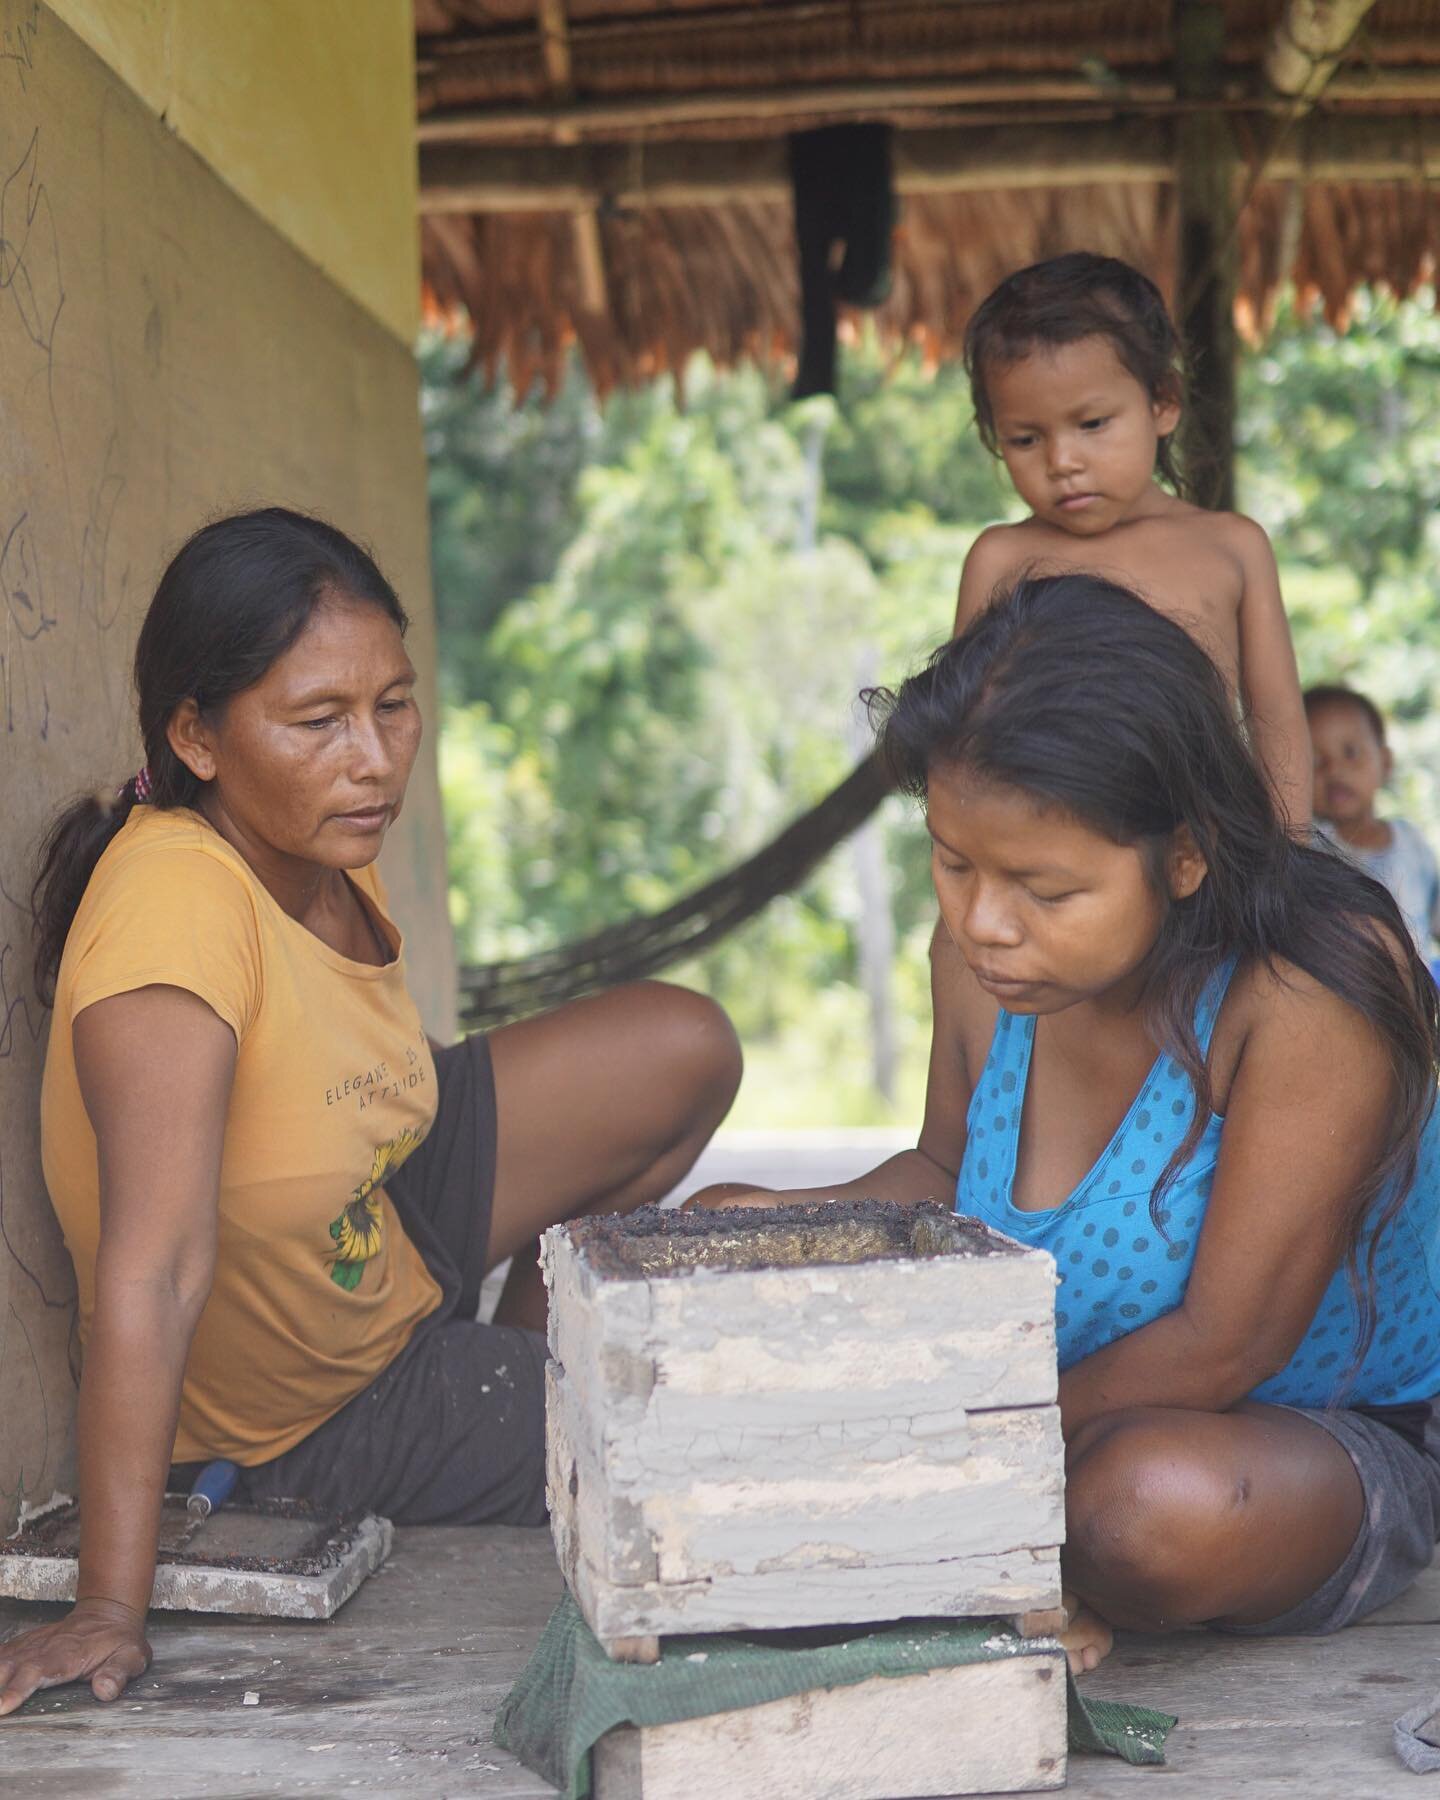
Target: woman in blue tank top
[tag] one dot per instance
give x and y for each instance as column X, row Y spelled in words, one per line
column 1195, row 1060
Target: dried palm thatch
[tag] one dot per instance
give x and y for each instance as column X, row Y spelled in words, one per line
column 611, row 173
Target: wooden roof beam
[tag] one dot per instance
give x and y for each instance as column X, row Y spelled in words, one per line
column 1305, row 51
column 752, row 26
column 648, row 112
column 551, row 178
column 1396, row 86
column 555, row 44
column 571, row 121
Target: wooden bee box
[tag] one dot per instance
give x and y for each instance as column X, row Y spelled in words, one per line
column 807, row 1415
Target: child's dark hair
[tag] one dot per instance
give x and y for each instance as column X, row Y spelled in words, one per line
column 1330, row 694
column 1078, row 693
column 233, row 600
column 1070, row 297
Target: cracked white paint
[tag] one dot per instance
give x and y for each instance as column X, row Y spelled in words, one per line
column 804, row 1445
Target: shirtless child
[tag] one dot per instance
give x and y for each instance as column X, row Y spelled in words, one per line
column 1075, row 370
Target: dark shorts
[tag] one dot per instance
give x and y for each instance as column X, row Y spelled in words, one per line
column 453, row 1431
column 1399, row 1468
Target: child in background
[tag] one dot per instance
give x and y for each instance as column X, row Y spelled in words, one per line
column 1352, row 764
column 1075, row 368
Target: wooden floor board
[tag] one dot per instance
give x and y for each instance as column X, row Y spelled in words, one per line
column 1269, row 1715
column 397, row 1695
column 1418, row 1605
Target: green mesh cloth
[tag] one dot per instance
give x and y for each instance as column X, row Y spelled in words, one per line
column 571, row 1694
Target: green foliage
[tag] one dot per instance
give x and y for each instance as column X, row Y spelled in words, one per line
column 1339, row 437
column 904, row 453
column 677, row 684
column 655, row 617
column 1339, row 446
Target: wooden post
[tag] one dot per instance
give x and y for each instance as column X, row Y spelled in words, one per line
column 1205, row 172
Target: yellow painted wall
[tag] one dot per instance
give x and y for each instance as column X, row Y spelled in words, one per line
column 306, row 108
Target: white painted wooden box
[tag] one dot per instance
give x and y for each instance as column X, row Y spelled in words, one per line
column 809, row 1415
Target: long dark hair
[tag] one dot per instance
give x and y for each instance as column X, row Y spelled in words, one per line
column 1070, row 297
column 234, row 598
column 1076, row 692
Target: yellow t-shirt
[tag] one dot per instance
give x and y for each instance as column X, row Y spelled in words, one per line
column 317, row 1288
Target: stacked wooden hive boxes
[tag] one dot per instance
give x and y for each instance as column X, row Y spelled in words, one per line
column 812, row 1416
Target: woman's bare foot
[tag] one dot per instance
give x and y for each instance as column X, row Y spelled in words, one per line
column 1087, row 1640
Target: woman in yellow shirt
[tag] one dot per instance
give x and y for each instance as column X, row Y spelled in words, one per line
column 280, row 1198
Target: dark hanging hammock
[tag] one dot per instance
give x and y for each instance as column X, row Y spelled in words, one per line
column 496, row 992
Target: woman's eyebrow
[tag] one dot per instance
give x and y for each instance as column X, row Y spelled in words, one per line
column 1050, row 871
column 334, row 696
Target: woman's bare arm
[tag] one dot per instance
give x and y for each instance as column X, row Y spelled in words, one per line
column 156, row 1068
column 1304, row 1123
column 930, row 1170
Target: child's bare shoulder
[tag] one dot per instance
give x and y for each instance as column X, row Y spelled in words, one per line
column 1003, row 552
column 1228, row 538
column 1248, row 538
column 1231, row 531
column 1005, row 546
column 992, row 562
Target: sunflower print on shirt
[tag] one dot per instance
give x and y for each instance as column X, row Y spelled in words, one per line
column 358, row 1233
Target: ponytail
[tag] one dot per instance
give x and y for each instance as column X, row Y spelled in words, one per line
column 78, row 837
column 72, row 846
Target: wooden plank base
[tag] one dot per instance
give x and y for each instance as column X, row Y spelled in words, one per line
column 1048, row 1621
column 394, row 1697
column 984, row 1728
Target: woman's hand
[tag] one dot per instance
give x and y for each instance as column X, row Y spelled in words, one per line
column 101, row 1641
column 734, row 1193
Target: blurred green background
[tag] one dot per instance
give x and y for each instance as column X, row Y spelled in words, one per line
column 656, row 614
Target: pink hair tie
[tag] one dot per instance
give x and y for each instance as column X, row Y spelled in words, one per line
column 142, row 785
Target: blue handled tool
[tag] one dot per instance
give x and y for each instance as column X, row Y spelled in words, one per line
column 212, row 1488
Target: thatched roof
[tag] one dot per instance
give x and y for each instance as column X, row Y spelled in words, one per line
column 615, row 171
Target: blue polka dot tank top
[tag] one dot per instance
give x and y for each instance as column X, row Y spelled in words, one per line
column 1117, row 1269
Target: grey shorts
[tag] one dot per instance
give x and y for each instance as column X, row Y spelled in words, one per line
column 453, row 1431
column 1399, row 1468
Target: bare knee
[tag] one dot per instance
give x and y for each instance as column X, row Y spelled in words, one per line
column 693, row 1047
column 1146, row 1521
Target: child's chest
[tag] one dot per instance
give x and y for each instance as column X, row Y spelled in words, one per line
column 1184, row 574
